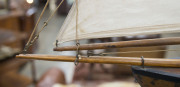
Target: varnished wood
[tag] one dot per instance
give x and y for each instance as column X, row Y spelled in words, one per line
column 135, row 43
column 156, row 76
column 106, row 60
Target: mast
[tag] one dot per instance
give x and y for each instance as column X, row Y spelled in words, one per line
column 107, row 60
column 134, row 43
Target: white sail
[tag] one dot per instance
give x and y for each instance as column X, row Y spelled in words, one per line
column 115, row 18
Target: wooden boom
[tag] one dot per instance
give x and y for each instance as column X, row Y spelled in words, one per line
column 134, row 43
column 106, row 60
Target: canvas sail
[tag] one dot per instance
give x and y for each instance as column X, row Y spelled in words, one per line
column 116, row 18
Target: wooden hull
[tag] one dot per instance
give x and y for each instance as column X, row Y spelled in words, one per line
column 157, row 77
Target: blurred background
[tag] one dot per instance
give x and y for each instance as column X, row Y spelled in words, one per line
column 17, row 20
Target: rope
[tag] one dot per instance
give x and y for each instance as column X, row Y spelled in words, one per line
column 35, row 28
column 30, row 41
column 77, row 13
column 77, row 40
column 135, row 52
column 50, row 17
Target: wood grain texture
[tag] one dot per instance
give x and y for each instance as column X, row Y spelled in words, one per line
column 135, row 43
column 106, row 60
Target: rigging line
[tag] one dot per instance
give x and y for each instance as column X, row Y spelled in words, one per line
column 45, row 24
column 77, row 13
column 50, row 17
column 30, row 38
column 77, row 40
column 134, row 52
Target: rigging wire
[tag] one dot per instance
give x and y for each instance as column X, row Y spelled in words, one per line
column 31, row 41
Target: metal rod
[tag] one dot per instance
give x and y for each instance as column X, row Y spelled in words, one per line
column 134, row 43
column 106, row 60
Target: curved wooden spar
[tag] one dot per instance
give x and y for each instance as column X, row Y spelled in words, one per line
column 106, row 60
column 134, row 43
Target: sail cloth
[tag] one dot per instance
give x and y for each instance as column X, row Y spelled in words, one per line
column 115, row 18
